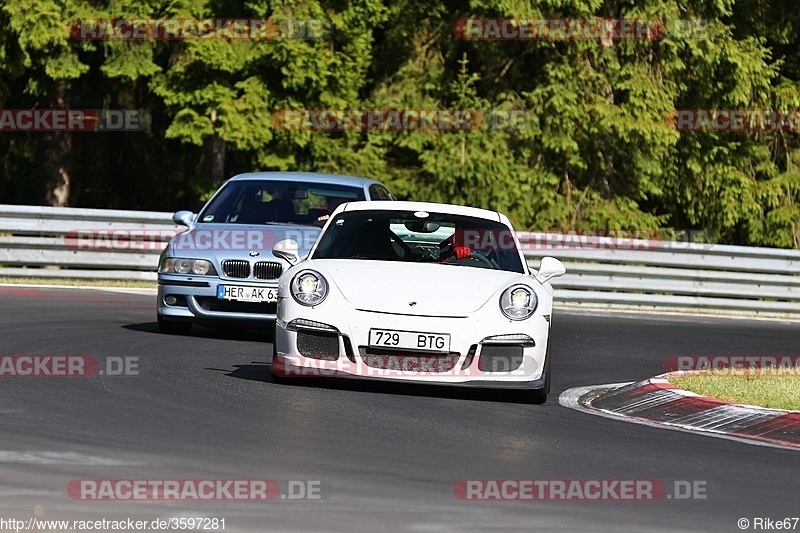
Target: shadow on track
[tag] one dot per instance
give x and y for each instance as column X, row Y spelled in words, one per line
column 232, row 333
column 260, row 371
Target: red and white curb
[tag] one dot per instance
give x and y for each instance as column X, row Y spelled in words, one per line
column 656, row 402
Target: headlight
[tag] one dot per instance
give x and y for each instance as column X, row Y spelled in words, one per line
column 179, row 265
column 518, row 303
column 309, row 288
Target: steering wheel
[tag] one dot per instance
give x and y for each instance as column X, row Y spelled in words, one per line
column 477, row 257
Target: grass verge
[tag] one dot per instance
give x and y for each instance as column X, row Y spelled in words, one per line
column 67, row 282
column 778, row 389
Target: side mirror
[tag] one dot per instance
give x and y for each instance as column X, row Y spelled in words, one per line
column 287, row 249
column 550, row 268
column 184, row 218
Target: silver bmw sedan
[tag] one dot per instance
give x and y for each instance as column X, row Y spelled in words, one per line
column 222, row 270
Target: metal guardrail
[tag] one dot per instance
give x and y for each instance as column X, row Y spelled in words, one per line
column 668, row 275
column 46, row 242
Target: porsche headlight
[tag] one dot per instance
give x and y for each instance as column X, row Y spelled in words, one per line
column 180, row 265
column 519, row 302
column 309, row 288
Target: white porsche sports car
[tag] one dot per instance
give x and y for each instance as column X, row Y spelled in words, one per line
column 416, row 292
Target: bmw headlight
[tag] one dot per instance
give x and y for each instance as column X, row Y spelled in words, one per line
column 519, row 302
column 180, row 265
column 309, row 288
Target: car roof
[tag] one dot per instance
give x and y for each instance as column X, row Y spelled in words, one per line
column 306, row 177
column 450, row 209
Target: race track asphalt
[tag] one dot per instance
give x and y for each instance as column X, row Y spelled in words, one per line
column 203, row 407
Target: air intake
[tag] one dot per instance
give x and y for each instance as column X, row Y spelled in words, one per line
column 267, row 270
column 234, row 268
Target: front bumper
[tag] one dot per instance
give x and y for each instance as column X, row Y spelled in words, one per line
column 473, row 340
column 198, row 301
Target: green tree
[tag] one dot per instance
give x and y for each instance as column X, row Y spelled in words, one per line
column 38, row 49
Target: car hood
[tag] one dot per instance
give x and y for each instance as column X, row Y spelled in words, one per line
column 434, row 289
column 237, row 241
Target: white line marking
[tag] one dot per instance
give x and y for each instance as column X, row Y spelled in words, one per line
column 663, row 314
column 58, row 458
column 129, row 290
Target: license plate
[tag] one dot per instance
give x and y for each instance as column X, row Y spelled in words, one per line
column 410, row 340
column 247, row 294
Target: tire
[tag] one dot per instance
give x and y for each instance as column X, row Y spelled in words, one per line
column 281, row 380
column 173, row 327
column 539, row 396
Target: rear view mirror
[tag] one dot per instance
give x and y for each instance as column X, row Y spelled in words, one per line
column 420, row 226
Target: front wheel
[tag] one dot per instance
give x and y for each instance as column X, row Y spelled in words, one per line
column 539, row 396
column 276, row 378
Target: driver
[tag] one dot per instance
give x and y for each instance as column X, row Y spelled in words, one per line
column 331, row 203
column 448, row 250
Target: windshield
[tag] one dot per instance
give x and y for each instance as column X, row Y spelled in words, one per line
column 420, row 237
column 270, row 201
